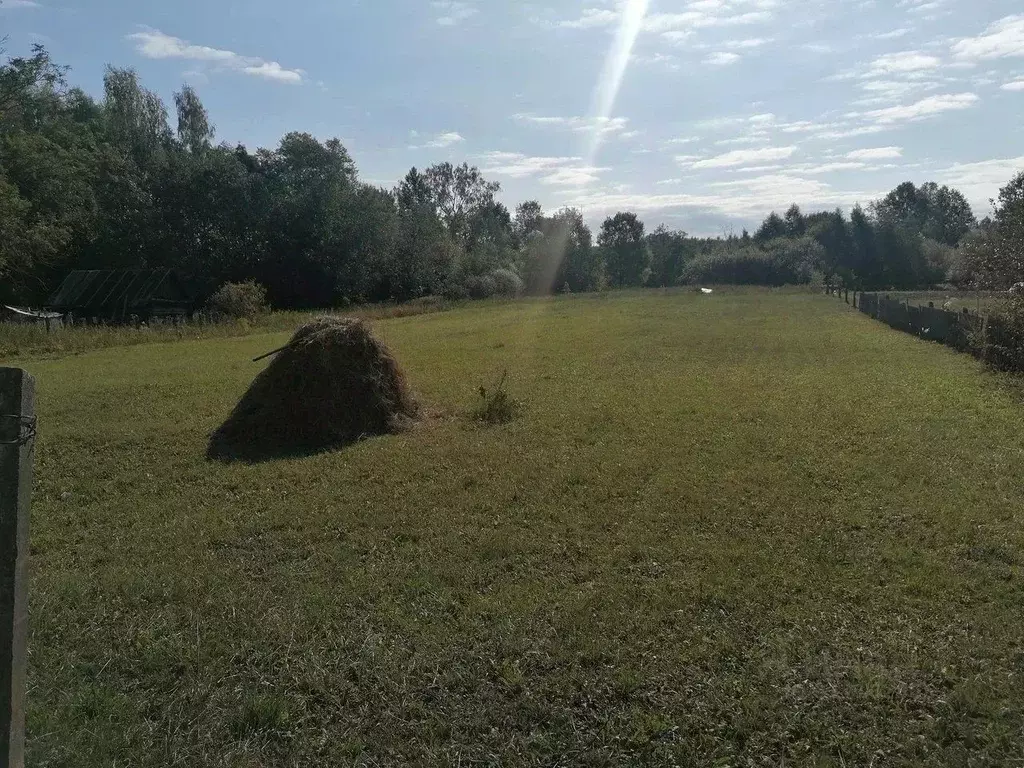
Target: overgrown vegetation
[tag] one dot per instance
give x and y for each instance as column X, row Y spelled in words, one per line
column 246, row 300
column 753, row 528
column 18, row 340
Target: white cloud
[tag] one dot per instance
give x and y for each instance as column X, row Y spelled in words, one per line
column 1013, row 85
column 892, row 34
column 927, row 107
column 553, row 171
column 577, row 124
column 592, row 17
column 747, row 44
column 441, row 141
column 981, row 181
column 1001, row 39
column 444, row 140
column 876, row 153
column 271, row 70
column 750, row 138
column 722, row 59
column 573, row 177
column 658, row 60
column 740, row 157
column 154, row 44
column 906, row 61
column 831, row 167
column 677, row 26
column 749, row 198
column 12, row 4
column 453, row 12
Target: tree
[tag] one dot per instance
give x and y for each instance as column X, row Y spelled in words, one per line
column 458, row 192
column 136, row 118
column 830, row 231
column 772, row 227
column 670, row 250
column 867, row 263
column 194, row 129
column 581, row 268
column 950, row 216
column 996, row 258
column 529, row 218
column 940, row 213
column 626, row 256
column 795, row 224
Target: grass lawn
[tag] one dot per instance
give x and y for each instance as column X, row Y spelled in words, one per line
column 745, row 529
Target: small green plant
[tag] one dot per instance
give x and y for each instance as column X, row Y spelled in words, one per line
column 496, row 405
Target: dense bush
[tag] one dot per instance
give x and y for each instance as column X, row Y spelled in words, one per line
column 781, row 262
column 506, row 283
column 239, row 300
column 1004, row 336
column 480, row 286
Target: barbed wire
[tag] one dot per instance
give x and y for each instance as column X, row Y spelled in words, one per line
column 26, row 429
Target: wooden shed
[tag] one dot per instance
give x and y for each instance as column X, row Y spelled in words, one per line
column 119, row 295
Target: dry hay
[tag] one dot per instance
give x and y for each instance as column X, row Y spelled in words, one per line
column 332, row 385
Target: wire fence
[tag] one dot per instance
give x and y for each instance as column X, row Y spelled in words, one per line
column 995, row 336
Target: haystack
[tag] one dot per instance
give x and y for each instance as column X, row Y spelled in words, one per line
column 333, row 384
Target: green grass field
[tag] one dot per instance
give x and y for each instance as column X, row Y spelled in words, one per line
column 744, row 529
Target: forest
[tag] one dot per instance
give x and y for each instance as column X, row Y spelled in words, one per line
column 109, row 183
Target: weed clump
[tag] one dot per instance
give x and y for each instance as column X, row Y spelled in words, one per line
column 496, row 405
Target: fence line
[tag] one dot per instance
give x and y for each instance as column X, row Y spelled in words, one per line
column 963, row 330
column 995, row 338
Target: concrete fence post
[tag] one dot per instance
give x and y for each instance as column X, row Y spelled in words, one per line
column 17, row 439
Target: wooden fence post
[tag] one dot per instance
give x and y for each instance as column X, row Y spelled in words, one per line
column 17, row 439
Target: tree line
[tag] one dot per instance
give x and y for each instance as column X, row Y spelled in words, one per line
column 108, row 183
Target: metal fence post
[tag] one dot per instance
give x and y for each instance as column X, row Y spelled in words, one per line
column 17, row 439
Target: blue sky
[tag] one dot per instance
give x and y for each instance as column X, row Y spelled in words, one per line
column 725, row 109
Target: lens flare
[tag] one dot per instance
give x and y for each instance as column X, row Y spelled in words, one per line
column 633, row 14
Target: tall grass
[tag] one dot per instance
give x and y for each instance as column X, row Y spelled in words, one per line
column 28, row 340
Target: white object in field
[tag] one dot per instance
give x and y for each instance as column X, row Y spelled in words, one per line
column 1017, row 289
column 706, row 291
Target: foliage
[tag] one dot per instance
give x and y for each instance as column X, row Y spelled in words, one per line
column 670, row 251
column 239, row 300
column 106, row 183
column 506, row 283
column 626, row 254
column 780, row 262
column 995, row 257
column 1004, row 336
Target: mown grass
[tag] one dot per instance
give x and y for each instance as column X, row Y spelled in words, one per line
column 749, row 529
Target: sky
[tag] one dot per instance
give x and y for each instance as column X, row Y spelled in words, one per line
column 703, row 115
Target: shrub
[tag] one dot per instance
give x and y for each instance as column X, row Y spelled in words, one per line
column 480, row 286
column 781, row 262
column 1004, row 337
column 506, row 283
column 239, row 300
